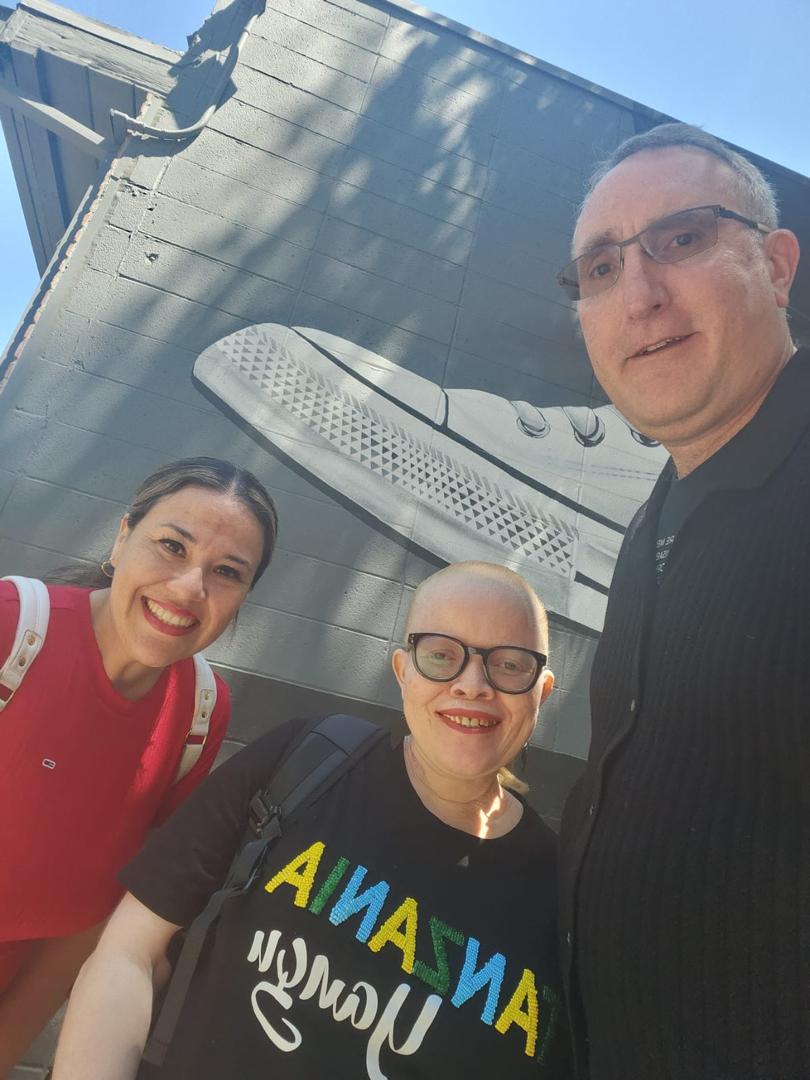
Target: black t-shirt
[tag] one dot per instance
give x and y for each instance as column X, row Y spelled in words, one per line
column 379, row 942
column 684, row 496
column 679, row 502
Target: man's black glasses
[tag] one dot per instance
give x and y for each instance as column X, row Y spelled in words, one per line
column 508, row 668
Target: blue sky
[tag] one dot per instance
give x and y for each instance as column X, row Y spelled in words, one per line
column 739, row 71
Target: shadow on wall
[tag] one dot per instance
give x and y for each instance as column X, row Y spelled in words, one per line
column 370, row 177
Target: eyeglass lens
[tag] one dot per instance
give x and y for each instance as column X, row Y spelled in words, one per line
column 670, row 240
column 508, row 668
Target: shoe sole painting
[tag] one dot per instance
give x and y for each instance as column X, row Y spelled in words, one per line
column 463, row 474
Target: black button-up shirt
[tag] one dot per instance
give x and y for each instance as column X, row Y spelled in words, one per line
column 681, row 900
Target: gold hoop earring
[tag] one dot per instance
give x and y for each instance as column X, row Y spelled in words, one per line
column 107, row 568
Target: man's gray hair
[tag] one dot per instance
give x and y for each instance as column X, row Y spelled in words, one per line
column 757, row 197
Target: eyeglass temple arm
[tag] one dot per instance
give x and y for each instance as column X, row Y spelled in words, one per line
column 722, row 212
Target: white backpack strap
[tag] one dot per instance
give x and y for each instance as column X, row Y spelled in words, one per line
column 32, row 626
column 205, row 699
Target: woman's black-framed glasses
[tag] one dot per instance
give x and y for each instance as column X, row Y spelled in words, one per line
column 508, row 668
column 669, row 240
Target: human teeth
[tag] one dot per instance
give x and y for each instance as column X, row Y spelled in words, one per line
column 169, row 617
column 471, row 721
column 659, row 345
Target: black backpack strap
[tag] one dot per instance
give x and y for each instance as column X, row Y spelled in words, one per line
column 323, row 753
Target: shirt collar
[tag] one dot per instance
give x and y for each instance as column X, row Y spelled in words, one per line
column 759, row 448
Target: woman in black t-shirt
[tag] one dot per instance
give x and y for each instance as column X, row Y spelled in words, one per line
column 404, row 926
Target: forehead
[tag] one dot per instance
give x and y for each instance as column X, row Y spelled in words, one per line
column 210, row 515
column 194, row 499
column 479, row 610
column 649, row 185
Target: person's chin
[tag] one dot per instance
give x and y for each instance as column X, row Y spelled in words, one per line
column 156, row 650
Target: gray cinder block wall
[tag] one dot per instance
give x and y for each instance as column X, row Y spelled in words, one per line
column 375, row 174
column 369, row 173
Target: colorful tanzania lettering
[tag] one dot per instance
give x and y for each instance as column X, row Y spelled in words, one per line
column 475, row 978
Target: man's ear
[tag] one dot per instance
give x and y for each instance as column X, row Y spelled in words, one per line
column 398, row 661
column 782, row 253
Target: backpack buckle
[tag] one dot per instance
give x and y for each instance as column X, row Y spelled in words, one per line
column 260, row 814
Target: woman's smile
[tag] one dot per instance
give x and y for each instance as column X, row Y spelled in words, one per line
column 167, row 618
column 468, row 721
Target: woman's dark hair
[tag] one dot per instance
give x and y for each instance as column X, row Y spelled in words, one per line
column 205, row 472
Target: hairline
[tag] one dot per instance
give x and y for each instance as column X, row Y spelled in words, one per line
column 483, row 571
column 756, row 194
column 216, row 475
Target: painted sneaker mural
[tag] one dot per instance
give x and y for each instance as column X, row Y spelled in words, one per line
column 462, row 474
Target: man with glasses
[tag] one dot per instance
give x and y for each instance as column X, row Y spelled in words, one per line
column 686, row 845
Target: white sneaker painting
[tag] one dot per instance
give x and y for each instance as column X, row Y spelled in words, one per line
column 462, row 474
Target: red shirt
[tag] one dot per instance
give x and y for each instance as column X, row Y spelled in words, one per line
column 66, row 829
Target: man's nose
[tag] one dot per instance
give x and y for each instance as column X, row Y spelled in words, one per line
column 471, row 682
column 642, row 283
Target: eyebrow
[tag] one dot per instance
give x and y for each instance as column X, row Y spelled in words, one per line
column 188, row 536
column 608, row 236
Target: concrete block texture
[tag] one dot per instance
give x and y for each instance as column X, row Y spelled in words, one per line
column 60, row 519
column 529, row 233
column 413, row 174
column 128, row 304
column 302, row 585
column 252, row 123
column 455, row 60
column 421, row 156
column 495, row 257
column 371, row 295
column 39, row 387
column 7, row 479
column 305, row 72
column 366, row 250
column 564, row 725
column 109, row 250
column 545, row 172
column 261, row 703
column 400, row 189
column 137, row 360
column 559, row 120
column 401, row 107
column 66, row 339
column 319, row 46
column 242, row 203
column 240, row 246
column 407, row 224
column 20, row 436
column 477, row 104
column 257, row 90
column 348, row 663
column 436, row 199
column 358, row 23
column 249, row 164
column 526, row 199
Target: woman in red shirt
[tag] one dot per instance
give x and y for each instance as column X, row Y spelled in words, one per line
column 92, row 740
